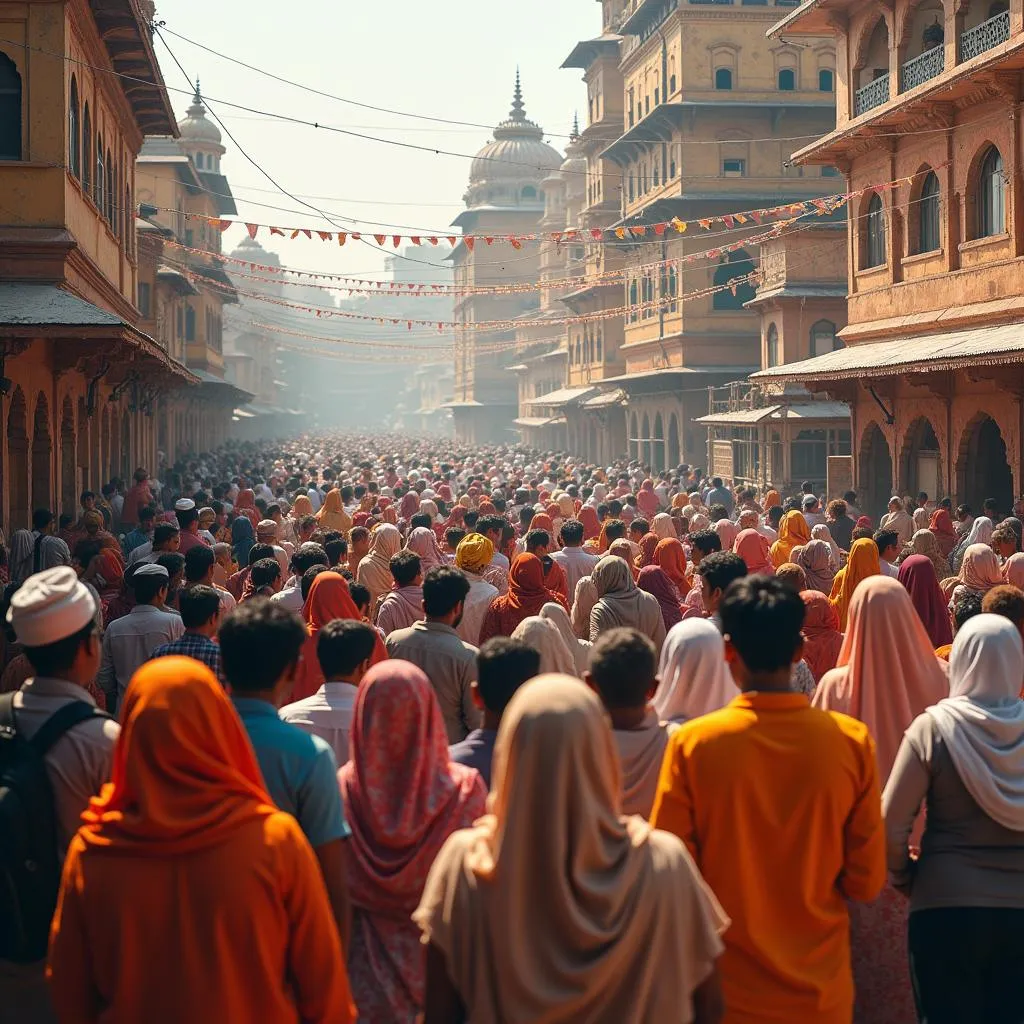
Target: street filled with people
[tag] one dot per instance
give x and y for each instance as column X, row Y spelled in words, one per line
column 389, row 729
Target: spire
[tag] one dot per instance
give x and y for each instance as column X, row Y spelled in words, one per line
column 517, row 112
column 575, row 134
column 198, row 98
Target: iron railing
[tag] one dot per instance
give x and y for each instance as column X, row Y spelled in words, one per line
column 872, row 95
column 922, row 69
column 984, row 36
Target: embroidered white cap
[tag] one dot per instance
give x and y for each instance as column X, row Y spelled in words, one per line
column 50, row 606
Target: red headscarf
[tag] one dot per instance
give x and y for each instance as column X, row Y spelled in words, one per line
column 917, row 574
column 246, row 506
column 647, row 500
column 655, row 582
column 542, row 521
column 410, row 505
column 648, row 546
column 822, row 639
column 941, row 526
column 591, row 524
column 403, row 799
column 754, row 549
column 671, row 557
column 329, row 599
column 526, row 596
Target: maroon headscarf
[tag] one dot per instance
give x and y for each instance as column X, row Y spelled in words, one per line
column 917, row 574
column 654, row 581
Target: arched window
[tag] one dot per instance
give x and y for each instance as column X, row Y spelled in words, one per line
column 928, row 237
column 529, row 192
column 826, row 80
column 101, row 177
column 773, row 345
column 86, row 150
column 723, row 78
column 787, row 80
column 10, row 110
column 190, row 324
column 874, row 234
column 991, row 195
column 823, row 338
column 739, row 265
column 199, row 160
column 74, row 132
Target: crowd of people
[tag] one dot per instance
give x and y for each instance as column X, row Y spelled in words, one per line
column 389, row 729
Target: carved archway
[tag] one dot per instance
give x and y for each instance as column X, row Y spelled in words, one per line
column 921, row 460
column 875, row 471
column 982, row 466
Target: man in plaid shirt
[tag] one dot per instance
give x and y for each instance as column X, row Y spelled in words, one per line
column 200, row 610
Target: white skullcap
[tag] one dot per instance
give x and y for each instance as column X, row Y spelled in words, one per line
column 184, row 505
column 151, row 569
column 50, row 606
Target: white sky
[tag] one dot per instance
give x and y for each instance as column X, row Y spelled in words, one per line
column 445, row 58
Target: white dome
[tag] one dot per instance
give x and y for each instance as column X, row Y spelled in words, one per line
column 195, row 127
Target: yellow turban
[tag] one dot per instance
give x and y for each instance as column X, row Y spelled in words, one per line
column 474, row 553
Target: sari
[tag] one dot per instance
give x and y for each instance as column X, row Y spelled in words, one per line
column 793, row 532
column 822, row 639
column 670, row 555
column 862, row 563
column 332, row 516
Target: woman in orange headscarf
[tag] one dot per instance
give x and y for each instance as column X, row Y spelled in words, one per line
column 862, row 563
column 303, row 507
column 648, row 546
column 591, row 524
column 526, row 596
column 941, row 527
column 329, row 599
column 670, row 555
column 333, row 515
column 793, row 532
column 246, row 506
column 188, row 846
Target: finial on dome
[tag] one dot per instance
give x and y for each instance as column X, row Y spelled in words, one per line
column 198, row 98
column 575, row 134
column 517, row 111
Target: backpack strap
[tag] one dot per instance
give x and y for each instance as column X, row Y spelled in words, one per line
column 63, row 719
column 7, row 724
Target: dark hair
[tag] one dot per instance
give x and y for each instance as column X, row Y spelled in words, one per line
column 41, row 519
column 198, row 605
column 360, row 595
column 967, row 606
column 199, row 560
column 762, row 618
column 721, row 568
column 358, row 533
column 775, row 514
column 147, row 512
column 490, row 524
column 146, row 586
column 52, row 659
column 885, row 539
column 502, row 666
column 706, row 541
column 306, row 556
column 526, row 514
column 260, row 641
column 718, row 511
column 640, row 525
column 614, row 529
column 1007, row 601
column 990, row 503
column 537, row 539
column 454, row 536
column 405, row 567
column 307, row 579
column 421, row 519
column 861, row 533
column 851, row 497
column 836, row 509
column 163, row 532
column 187, row 517
column 335, row 550
column 173, row 562
column 572, row 533
column 260, row 551
column 472, row 519
column 86, row 495
column 86, row 550
column 443, row 588
column 716, row 482
column 343, row 645
column 623, row 664
column 264, row 572
column 307, row 523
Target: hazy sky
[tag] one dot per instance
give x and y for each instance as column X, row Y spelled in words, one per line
column 444, row 58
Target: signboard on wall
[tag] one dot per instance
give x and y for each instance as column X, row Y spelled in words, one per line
column 721, row 456
column 839, row 476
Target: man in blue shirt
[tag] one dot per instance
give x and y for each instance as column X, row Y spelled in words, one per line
column 261, row 642
column 503, row 665
column 720, row 495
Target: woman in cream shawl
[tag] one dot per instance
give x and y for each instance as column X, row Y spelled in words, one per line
column 580, row 649
column 544, row 637
column 694, row 678
column 610, row 923
column 621, row 603
column 374, row 570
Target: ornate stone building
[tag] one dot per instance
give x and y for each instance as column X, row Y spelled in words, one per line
column 505, row 196
column 84, row 387
column 929, row 137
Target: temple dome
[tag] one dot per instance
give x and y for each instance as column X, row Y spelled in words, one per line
column 195, row 127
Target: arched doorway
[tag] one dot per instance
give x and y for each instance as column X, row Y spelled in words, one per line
column 42, row 454
column 921, row 461
column 645, row 444
column 982, row 469
column 68, row 455
column 673, row 443
column 17, row 452
column 875, row 471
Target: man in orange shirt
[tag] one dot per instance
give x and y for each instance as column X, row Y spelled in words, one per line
column 779, row 804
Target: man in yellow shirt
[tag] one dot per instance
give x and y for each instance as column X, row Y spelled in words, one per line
column 779, row 804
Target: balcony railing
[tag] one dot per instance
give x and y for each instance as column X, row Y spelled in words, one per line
column 984, row 36
column 872, row 95
column 921, row 69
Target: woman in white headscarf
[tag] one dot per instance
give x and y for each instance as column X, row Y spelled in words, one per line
column 822, row 532
column 555, row 907
column 662, row 526
column 963, row 759
column 694, row 678
column 580, row 649
column 543, row 636
column 979, row 533
column 374, row 571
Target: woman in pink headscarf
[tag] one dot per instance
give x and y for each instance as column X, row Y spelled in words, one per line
column 979, row 573
column 754, row 549
column 886, row 676
column 403, row 799
column 647, row 501
column 727, row 532
column 423, row 542
column 409, row 506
